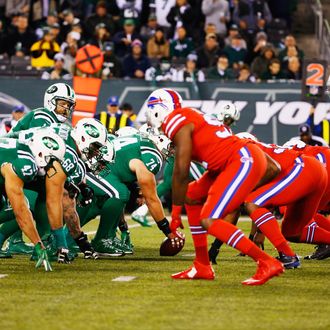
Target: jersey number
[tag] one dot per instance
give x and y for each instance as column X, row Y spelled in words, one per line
column 125, row 141
column 67, row 165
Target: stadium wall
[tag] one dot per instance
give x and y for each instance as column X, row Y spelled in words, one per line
column 270, row 111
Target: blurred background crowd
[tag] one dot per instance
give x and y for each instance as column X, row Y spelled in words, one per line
column 155, row 40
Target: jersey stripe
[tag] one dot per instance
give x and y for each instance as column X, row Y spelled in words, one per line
column 175, row 126
column 194, row 171
column 72, row 152
column 103, row 185
column 169, row 124
column 44, row 115
column 175, row 98
column 157, row 154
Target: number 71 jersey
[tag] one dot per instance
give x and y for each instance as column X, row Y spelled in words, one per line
column 213, row 143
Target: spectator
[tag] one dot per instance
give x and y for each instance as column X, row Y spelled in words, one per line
column 127, row 110
column 294, row 68
column 252, row 15
column 236, row 54
column 211, row 28
column 101, row 16
column 14, row 7
column 190, row 73
column 217, row 12
column 322, row 129
column 274, row 71
column 21, row 38
column 209, row 52
column 68, row 22
column 221, row 70
column 260, row 64
column 69, row 48
column 44, row 50
column 291, row 49
column 111, row 64
column 181, row 15
column 123, row 39
column 130, row 8
column 163, row 71
column 55, row 30
column 57, row 71
column 136, row 63
column 305, row 135
column 158, row 46
column 101, row 35
column 245, row 75
column 162, row 9
column 113, row 118
column 8, row 123
column 234, row 31
column 181, row 46
column 260, row 43
column 147, row 31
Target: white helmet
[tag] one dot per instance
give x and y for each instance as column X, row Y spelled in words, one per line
column 126, row 131
column 294, row 143
column 146, row 130
column 45, row 145
column 228, row 111
column 90, row 136
column 161, row 102
column 163, row 144
column 60, row 91
column 246, row 135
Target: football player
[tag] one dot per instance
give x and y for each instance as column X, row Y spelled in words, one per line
column 233, row 169
column 21, row 164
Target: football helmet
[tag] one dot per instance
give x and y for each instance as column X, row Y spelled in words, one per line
column 294, row 143
column 126, row 131
column 160, row 103
column 146, row 130
column 163, row 144
column 45, row 146
column 246, row 135
column 90, row 136
column 228, row 114
column 109, row 152
column 60, row 91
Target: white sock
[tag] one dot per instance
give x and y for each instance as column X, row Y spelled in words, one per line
column 142, row 210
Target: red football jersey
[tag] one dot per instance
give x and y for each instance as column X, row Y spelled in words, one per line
column 213, row 143
column 285, row 157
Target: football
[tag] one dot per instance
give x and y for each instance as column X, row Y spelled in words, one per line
column 168, row 249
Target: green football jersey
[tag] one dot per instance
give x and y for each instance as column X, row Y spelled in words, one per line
column 134, row 147
column 21, row 158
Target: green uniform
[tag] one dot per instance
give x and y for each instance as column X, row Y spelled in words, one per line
column 110, row 191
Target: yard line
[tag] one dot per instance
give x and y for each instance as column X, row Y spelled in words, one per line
column 3, row 275
column 124, row 279
column 184, row 218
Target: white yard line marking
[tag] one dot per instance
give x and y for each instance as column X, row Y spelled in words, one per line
column 152, row 222
column 3, row 275
column 188, row 255
column 124, row 279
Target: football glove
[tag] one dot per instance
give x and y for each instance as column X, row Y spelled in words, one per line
column 42, row 258
column 176, row 218
column 72, row 189
column 63, row 256
column 177, row 238
column 86, row 247
column 87, row 194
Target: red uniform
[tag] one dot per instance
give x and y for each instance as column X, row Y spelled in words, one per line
column 300, row 186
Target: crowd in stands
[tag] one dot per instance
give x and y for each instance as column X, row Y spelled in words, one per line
column 174, row 40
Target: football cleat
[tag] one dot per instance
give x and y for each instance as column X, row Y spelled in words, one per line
column 5, row 254
column 289, row 262
column 214, row 251
column 106, row 248
column 197, row 271
column 265, row 271
column 126, row 242
column 19, row 247
column 141, row 219
column 321, row 252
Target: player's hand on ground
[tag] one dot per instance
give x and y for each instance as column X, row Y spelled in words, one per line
column 63, row 256
column 259, row 240
column 177, row 238
column 42, row 258
column 176, row 221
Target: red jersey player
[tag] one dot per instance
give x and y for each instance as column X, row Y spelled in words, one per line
column 234, row 168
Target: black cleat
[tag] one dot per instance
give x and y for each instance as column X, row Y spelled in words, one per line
column 289, row 262
column 321, row 252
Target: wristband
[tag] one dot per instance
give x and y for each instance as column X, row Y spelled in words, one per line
column 164, row 226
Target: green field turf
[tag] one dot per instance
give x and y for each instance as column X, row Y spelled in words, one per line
column 83, row 296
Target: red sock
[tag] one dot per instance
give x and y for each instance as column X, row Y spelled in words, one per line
column 267, row 223
column 322, row 221
column 199, row 234
column 314, row 234
column 234, row 237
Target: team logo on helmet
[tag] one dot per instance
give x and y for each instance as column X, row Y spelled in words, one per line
column 92, row 130
column 50, row 143
column 52, row 89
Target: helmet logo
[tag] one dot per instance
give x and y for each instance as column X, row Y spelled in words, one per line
column 52, row 90
column 91, row 130
column 50, row 143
